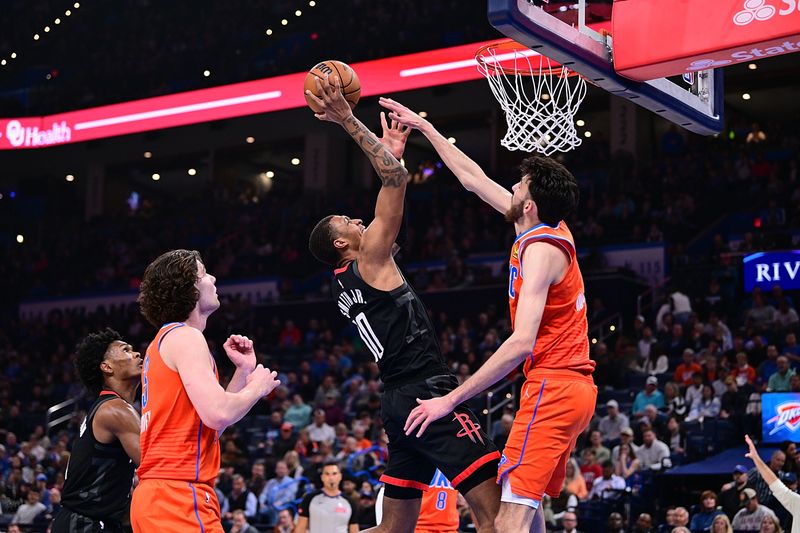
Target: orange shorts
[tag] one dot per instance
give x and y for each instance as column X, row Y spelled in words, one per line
column 556, row 407
column 174, row 507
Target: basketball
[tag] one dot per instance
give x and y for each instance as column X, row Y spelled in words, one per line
column 350, row 86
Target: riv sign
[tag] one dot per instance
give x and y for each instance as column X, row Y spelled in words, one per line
column 767, row 269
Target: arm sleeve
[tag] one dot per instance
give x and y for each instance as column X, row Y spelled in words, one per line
column 302, row 509
column 251, row 506
column 353, row 515
column 790, row 500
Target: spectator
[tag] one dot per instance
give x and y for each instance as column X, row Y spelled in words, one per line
column 751, row 515
column 646, row 343
column 780, row 381
column 569, row 522
column 730, row 495
column 292, row 459
column 707, row 407
column 721, row 524
column 286, row 440
column 299, row 413
column 240, row 498
column 675, row 437
column 319, row 431
column 770, row 524
column 27, row 511
column 611, row 424
column 285, row 522
column 703, row 520
column 732, row 402
column 627, row 464
column 649, row 396
column 770, row 365
column 675, row 403
column 257, row 477
column 761, row 316
column 590, row 469
column 615, row 524
column 240, row 524
column 279, row 491
column 644, row 524
column 786, row 318
column 687, row 369
column 625, row 437
column 694, row 392
column 574, row 481
column 743, row 372
column 676, row 343
column 608, row 486
column 757, row 481
column 290, row 336
column 601, row 453
column 681, row 517
column 653, row 451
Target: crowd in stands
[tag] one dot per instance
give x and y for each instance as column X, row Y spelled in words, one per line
column 137, row 48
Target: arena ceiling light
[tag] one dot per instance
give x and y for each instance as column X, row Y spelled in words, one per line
column 746, row 96
column 37, row 36
column 192, row 172
column 148, row 155
column 285, row 21
column 250, row 140
column 295, row 161
column 580, row 122
column 70, row 178
column 20, row 239
column 156, row 176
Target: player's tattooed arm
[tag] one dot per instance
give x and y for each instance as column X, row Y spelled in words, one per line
column 390, row 171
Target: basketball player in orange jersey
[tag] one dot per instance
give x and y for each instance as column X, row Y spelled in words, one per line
column 548, row 317
column 184, row 408
column 438, row 512
column 395, row 327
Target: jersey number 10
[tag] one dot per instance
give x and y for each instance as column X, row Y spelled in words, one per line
column 368, row 336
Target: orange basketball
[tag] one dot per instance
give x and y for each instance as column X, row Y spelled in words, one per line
column 351, row 87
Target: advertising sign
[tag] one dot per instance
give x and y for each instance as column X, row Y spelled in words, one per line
column 780, row 416
column 767, row 269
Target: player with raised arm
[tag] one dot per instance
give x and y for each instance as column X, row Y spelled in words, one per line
column 99, row 476
column 548, row 317
column 395, row 327
column 184, row 408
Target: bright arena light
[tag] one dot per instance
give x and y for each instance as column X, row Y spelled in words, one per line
column 270, row 174
column 148, row 155
column 206, row 73
column 312, row 3
column 284, row 22
column 580, row 122
column 70, row 178
column 20, row 239
column 192, row 172
column 46, row 29
column 752, row 66
column 76, row 5
column 587, row 134
column 156, row 177
column 13, row 55
column 451, row 140
column 269, row 31
column 423, row 114
column 57, row 21
column 67, row 13
column 250, row 140
column 3, row 62
column 36, row 37
column 295, row 161
column 746, row 96
column 298, row 13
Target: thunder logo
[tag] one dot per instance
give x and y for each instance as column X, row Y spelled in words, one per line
column 788, row 417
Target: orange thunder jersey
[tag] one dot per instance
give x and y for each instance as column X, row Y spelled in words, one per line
column 438, row 511
column 174, row 442
column 562, row 340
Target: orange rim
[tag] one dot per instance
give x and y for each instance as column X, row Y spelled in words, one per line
column 548, row 66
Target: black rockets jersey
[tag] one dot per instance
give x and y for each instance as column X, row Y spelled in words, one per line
column 393, row 325
column 99, row 476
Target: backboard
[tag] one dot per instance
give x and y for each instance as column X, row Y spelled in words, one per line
column 577, row 34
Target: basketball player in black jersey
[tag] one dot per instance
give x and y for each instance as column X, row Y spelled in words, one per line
column 97, row 489
column 394, row 325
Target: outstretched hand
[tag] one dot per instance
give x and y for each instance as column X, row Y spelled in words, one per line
column 332, row 102
column 400, row 113
column 752, row 452
column 394, row 136
column 426, row 413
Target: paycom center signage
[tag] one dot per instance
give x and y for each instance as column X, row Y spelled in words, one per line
column 767, row 269
column 780, row 416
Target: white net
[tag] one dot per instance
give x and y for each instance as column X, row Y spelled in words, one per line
column 539, row 102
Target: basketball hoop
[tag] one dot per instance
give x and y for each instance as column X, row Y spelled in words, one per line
column 538, row 96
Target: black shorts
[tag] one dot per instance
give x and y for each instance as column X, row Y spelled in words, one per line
column 67, row 521
column 455, row 444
